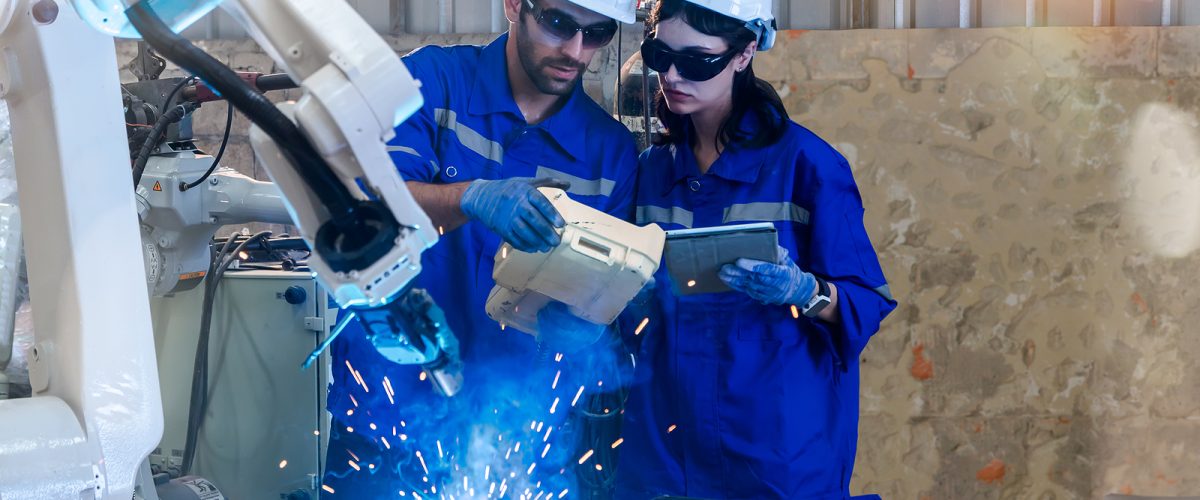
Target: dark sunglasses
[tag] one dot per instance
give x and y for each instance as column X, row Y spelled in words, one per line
column 691, row 66
column 562, row 26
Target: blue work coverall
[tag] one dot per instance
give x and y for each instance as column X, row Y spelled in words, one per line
column 469, row 128
column 733, row 398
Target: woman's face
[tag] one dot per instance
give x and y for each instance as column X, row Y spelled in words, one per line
column 684, row 96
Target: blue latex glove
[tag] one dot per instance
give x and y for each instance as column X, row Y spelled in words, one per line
column 561, row 331
column 516, row 211
column 781, row 283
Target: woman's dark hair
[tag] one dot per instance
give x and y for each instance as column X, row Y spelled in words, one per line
column 750, row 94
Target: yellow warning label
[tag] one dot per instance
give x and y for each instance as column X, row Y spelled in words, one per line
column 157, row 186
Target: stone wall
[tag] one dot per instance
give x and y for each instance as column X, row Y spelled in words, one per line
column 1034, row 197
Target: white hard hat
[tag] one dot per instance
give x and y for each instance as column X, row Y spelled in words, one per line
column 755, row 13
column 624, row 11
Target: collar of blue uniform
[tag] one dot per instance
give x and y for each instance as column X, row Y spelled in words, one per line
column 492, row 93
column 735, row 164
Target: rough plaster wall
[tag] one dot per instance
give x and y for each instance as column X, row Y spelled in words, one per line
column 1041, row 350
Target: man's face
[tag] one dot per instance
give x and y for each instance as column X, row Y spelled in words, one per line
column 555, row 60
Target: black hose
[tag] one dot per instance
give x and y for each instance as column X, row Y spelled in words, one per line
column 277, row 81
column 156, row 134
column 317, row 175
column 216, row 159
column 198, row 406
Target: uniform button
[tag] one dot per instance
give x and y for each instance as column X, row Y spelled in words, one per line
column 694, row 184
column 451, row 171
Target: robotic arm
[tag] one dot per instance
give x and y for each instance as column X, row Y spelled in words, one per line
column 96, row 412
column 365, row 230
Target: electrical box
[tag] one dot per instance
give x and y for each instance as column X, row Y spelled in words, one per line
column 601, row 264
column 266, row 428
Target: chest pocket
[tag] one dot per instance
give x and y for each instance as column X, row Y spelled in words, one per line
column 465, row 152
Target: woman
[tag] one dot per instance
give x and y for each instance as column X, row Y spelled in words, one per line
column 753, row 392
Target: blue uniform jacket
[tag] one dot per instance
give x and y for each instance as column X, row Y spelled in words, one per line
column 733, row 398
column 470, row 128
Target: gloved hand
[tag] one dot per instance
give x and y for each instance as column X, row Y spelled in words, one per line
column 781, row 283
column 515, row 210
column 561, row 331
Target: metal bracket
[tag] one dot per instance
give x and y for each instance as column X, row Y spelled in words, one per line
column 147, row 65
column 314, row 323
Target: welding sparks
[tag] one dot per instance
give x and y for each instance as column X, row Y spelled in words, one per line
column 533, row 425
column 316, row 433
column 539, row 427
column 354, row 465
column 385, row 442
column 503, row 252
column 577, row 395
column 671, row 429
column 558, row 358
column 530, row 471
column 350, row 412
column 546, row 450
column 795, row 312
column 691, row 283
column 487, row 471
column 352, row 400
column 502, row 325
column 492, row 489
column 349, row 429
column 517, row 448
column 599, row 467
column 585, row 457
column 422, row 376
column 422, row 459
column 387, row 389
column 404, row 437
column 357, row 377
column 373, row 426
column 641, row 326
column 352, row 454
column 465, row 487
column 439, row 445
column 282, row 464
column 327, row 488
column 563, row 494
column 441, row 231
column 555, row 384
column 618, row 443
column 554, row 406
column 547, row 437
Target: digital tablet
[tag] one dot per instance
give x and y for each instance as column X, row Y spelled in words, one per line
column 694, row 256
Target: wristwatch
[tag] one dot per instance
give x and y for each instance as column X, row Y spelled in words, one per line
column 819, row 301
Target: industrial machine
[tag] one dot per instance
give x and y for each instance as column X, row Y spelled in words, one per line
column 96, row 410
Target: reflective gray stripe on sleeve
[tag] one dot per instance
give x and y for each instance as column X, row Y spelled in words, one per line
column 579, row 185
column 674, row 215
column 404, row 149
column 468, row 137
column 885, row 291
column 410, row 151
column 766, row 211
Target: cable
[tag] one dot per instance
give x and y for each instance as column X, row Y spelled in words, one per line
column 184, row 186
column 156, row 134
column 199, row 391
column 175, row 90
column 313, row 169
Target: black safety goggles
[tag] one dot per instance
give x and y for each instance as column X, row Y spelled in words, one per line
column 562, row 26
column 691, row 66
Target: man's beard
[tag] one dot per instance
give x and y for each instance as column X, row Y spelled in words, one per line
column 536, row 70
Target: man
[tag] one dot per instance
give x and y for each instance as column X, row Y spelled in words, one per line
column 498, row 121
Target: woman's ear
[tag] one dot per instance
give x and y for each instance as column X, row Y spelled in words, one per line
column 742, row 61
